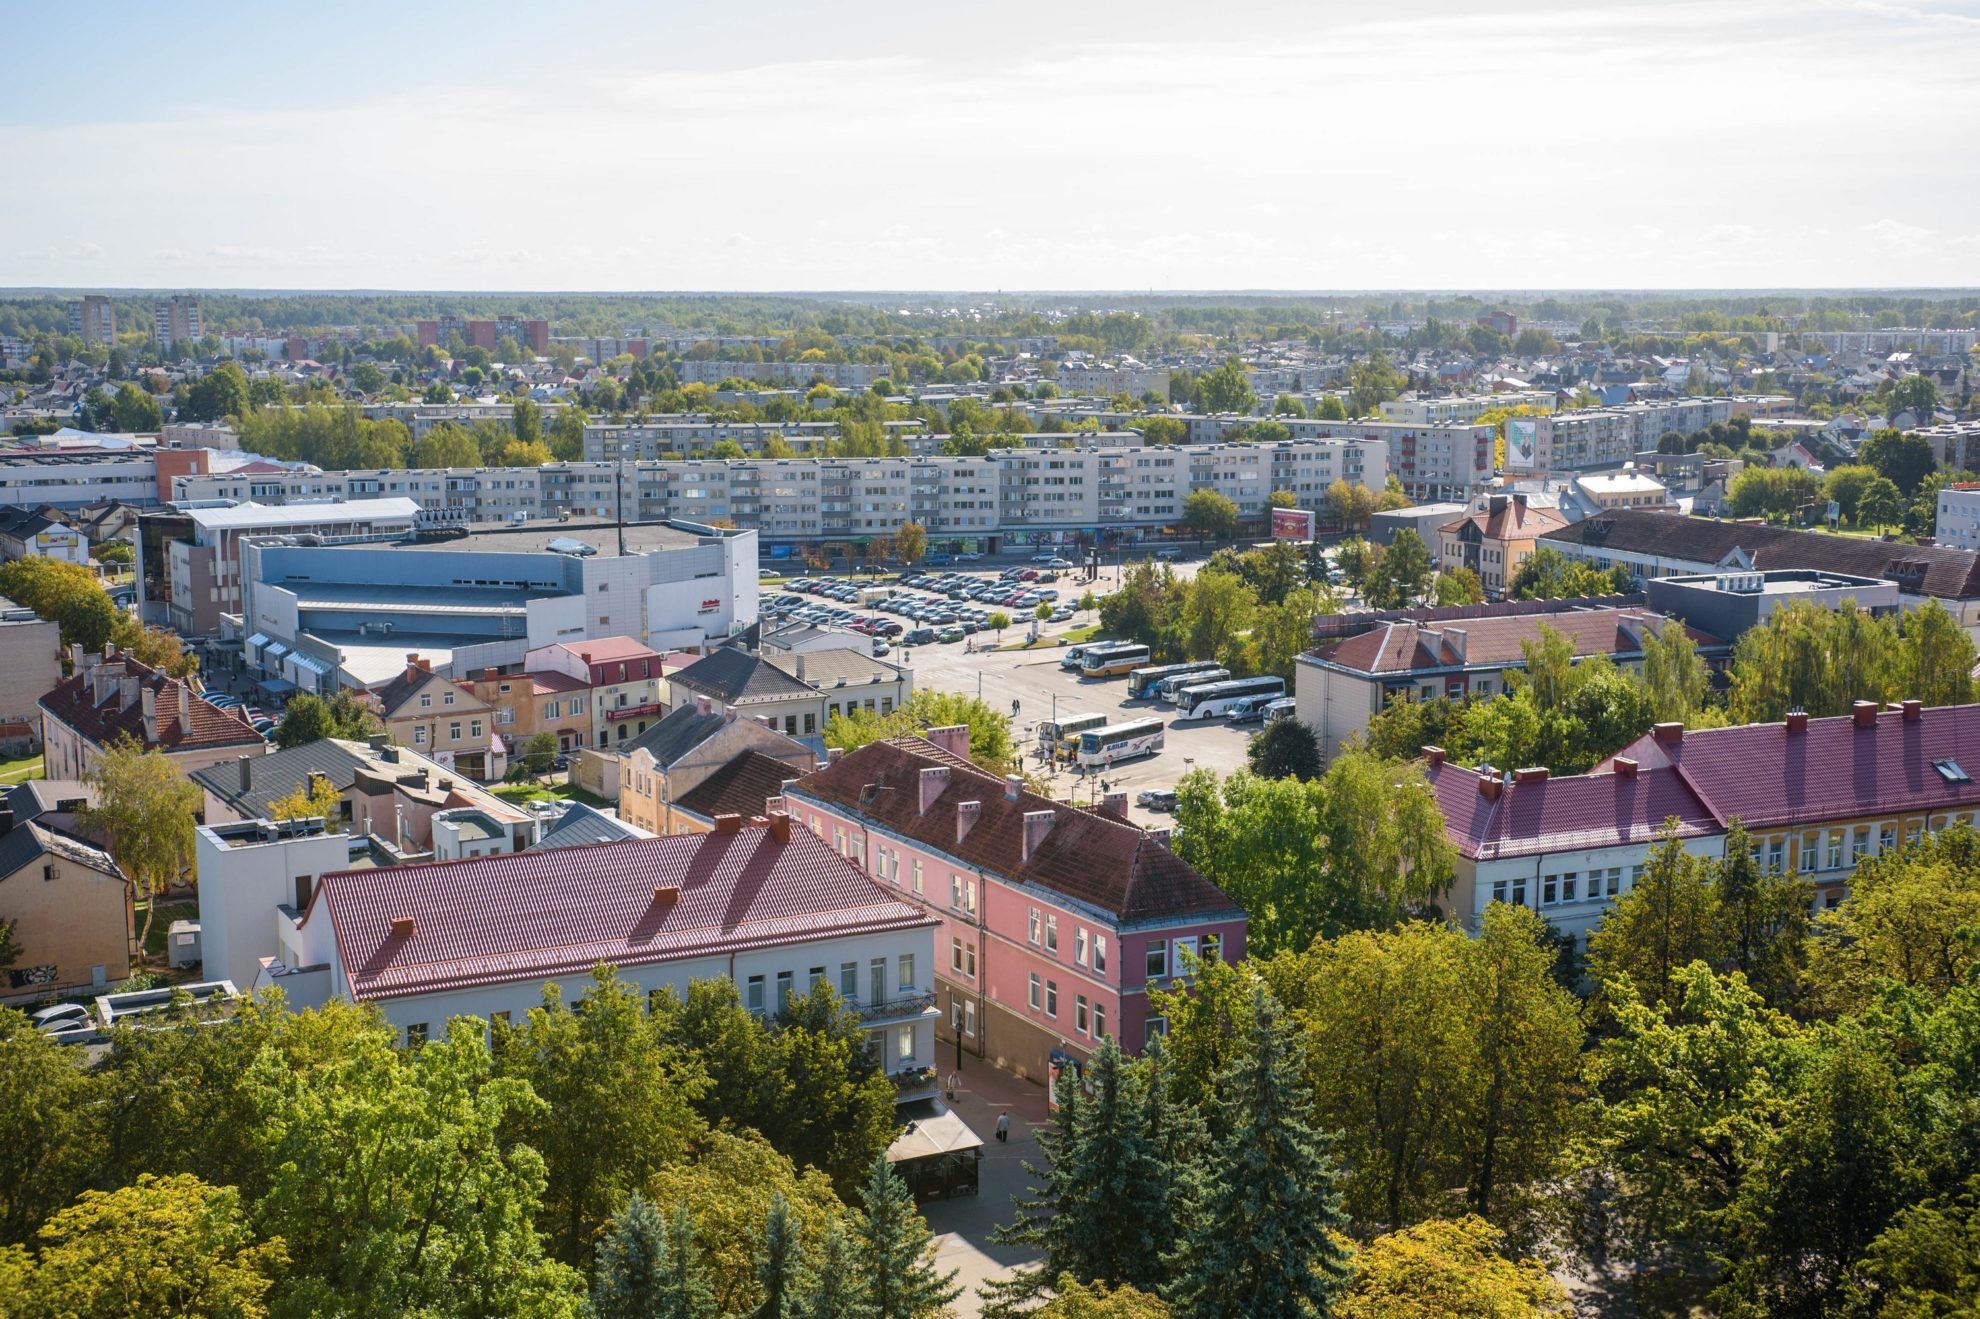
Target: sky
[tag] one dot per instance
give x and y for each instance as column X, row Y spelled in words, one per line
column 1021, row 146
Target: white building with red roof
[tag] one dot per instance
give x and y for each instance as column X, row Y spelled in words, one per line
column 769, row 906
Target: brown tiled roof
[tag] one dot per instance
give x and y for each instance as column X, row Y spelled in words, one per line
column 560, row 911
column 738, row 788
column 73, row 702
column 393, row 696
column 1406, row 647
column 1088, row 857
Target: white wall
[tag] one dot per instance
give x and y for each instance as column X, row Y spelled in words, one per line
column 240, row 888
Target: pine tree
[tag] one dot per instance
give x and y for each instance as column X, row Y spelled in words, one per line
column 1112, row 1229
column 779, row 1264
column 632, row 1255
column 833, row 1288
column 685, row 1292
column 1256, row 1244
column 894, row 1253
column 1176, row 1135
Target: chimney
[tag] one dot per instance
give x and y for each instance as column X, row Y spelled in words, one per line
column 728, row 824
column 1668, row 733
column 489, row 675
column 127, row 691
column 952, row 738
column 1115, row 804
column 1531, row 774
column 1496, row 504
column 666, row 895
column 1013, row 785
column 934, row 781
column 77, row 661
column 185, row 709
column 797, row 665
column 1433, row 755
column 702, row 705
column 834, row 754
column 378, row 741
column 1864, row 713
column 1914, row 710
column 1160, row 835
column 1489, row 785
column 780, row 826
column 247, row 773
column 967, row 814
column 403, row 927
column 1797, row 721
column 1036, row 825
column 729, row 713
column 767, row 721
column 1459, row 640
column 150, row 701
column 1626, row 767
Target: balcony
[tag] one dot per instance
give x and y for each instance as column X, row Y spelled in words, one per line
column 905, row 1007
column 914, row 1083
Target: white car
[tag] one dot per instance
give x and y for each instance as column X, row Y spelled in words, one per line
column 1046, row 558
column 1059, row 564
column 1060, row 615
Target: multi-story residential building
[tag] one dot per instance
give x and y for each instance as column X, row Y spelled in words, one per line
column 621, row 681
column 1955, row 445
column 30, row 664
column 444, row 720
column 700, row 759
column 839, row 375
column 206, row 568
column 177, row 320
column 1456, row 652
column 530, row 703
column 93, row 319
column 1943, row 343
column 1055, row 922
column 766, row 905
column 253, row 874
column 795, row 692
column 1433, row 460
column 111, row 697
column 1958, row 522
column 1608, row 437
column 1130, row 378
column 1463, row 409
column 602, row 348
column 481, row 600
column 66, row 906
column 1654, row 544
column 1495, row 540
column 531, row 333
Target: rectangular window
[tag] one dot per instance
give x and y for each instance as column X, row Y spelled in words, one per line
column 454, row 732
column 415, row 1034
column 969, row 960
column 969, row 896
column 783, row 990
column 1570, row 886
column 1886, row 837
column 955, row 955
column 1213, row 947
column 1859, row 845
column 1079, row 945
column 1518, row 898
column 1051, row 934
column 1051, row 998
column 1157, row 1028
column 969, row 1019
column 1777, row 855
column 447, row 699
column 1184, row 954
column 905, row 972
column 955, row 893
column 1156, row 962
column 904, row 1049
column 474, row 728
column 426, row 700
column 498, row 1018
column 1036, row 932
column 849, row 980
column 1615, row 880
column 753, row 995
column 1099, row 952
column 419, row 736
column 1498, row 890
column 1037, row 987
column 1550, row 890
column 1081, row 1023
column 876, row 979
column 917, row 875
column 816, row 974
column 1099, row 1021
column 1810, row 843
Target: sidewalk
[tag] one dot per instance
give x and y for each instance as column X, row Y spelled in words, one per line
column 962, row 1227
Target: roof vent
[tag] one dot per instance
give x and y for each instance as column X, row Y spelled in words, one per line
column 403, row 927
column 1914, row 710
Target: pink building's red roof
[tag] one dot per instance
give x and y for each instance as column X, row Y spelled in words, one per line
column 561, row 911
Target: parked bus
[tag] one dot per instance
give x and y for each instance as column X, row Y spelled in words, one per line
column 1142, row 683
column 1061, row 739
column 1214, row 700
column 1104, row 746
column 1112, row 660
column 1202, row 678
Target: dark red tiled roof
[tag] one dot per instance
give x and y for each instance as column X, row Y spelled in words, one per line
column 534, row 915
column 1561, row 814
column 1515, row 520
column 1088, row 857
column 739, row 787
column 1767, row 777
column 72, row 703
column 1405, row 647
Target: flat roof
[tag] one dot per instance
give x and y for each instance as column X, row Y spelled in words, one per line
column 243, row 516
column 535, row 538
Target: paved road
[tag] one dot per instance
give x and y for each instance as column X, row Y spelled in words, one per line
column 963, row 1227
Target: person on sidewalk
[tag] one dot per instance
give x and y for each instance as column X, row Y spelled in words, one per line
column 1003, row 1127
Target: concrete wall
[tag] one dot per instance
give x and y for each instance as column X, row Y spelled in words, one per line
column 77, row 922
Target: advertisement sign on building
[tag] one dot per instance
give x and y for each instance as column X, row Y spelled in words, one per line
column 1522, row 443
column 1292, row 524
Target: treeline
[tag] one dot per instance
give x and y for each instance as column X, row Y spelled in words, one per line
column 275, row 1162
column 1251, row 610
column 72, row 597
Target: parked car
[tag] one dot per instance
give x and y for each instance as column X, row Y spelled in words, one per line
column 1060, row 615
column 1250, row 710
column 880, row 647
column 950, row 633
column 1157, row 799
column 1169, row 554
column 921, row 636
column 1060, row 564
column 970, row 558
column 61, row 1017
column 1052, row 559
column 938, row 560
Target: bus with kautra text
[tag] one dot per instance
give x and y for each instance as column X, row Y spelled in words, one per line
column 1112, row 660
column 1143, row 683
column 1215, row 700
column 1117, row 742
column 1167, row 691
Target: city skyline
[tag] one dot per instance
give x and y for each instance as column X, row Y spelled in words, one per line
column 872, row 146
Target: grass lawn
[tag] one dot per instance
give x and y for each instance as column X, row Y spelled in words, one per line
column 518, row 793
column 161, row 924
column 20, row 771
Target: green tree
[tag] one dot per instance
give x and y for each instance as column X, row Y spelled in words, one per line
column 1284, row 748
column 437, row 393
column 684, row 1291
column 316, row 798
column 1845, row 486
column 1226, row 389
column 616, row 1102
column 1881, row 505
column 1672, row 916
column 1403, row 573
column 1373, row 381
column 730, row 1182
column 1547, row 574
column 1261, row 1209
column 310, row 718
column 567, row 435
column 1220, row 608
column 221, row 392
column 1448, row 1269
column 632, row 1260
column 779, row 1264
column 895, row 1252
column 135, row 410
column 1765, row 918
column 49, row 1140
column 1937, row 659
column 1072, row 1299
column 526, row 419
column 1902, row 458
column 1207, row 514
column 145, row 810
column 447, row 445
column 997, row 621
column 834, row 1287
column 1674, row 675
column 1458, row 586
column 1914, row 393
column 1350, row 504
column 164, row 1245
column 990, row 743
column 911, row 543
column 1330, row 408
column 1910, row 920
column 538, row 753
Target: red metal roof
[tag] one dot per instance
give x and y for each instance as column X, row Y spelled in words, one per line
column 1767, row 776
column 1403, row 647
column 1561, row 814
column 534, row 915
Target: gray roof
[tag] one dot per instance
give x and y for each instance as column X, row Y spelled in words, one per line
column 733, row 676
column 581, row 824
column 25, row 843
column 535, row 537
column 37, row 797
column 682, row 730
column 279, row 773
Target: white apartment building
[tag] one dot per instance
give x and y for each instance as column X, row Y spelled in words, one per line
column 1108, row 381
column 1943, row 343
column 177, row 320
column 1609, row 437
column 1462, row 409
column 1958, row 524
column 839, row 375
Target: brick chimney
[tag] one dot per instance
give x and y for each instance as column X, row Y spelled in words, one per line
column 780, row 826
column 702, row 705
column 404, row 927
column 833, row 755
column 127, row 691
column 1914, row 710
column 150, row 700
column 1626, row 767
column 728, row 824
column 952, row 738
column 1668, row 733
column 1013, row 785
column 1531, row 774
column 1489, row 785
column 1864, row 713
column 729, row 713
column 1434, row 755
column 666, row 895
column 967, row 814
column 1797, row 721
column 1037, row 824
column 1115, row 804
column 934, row 782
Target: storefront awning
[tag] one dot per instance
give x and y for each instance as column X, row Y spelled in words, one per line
column 258, row 640
column 310, row 662
column 274, row 650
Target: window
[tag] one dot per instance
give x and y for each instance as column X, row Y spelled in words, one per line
column 849, row 980
column 1184, row 954
column 1570, row 886
column 969, row 960
column 1498, row 890
column 426, row 700
column 1615, row 881
column 876, row 979
column 753, row 995
column 955, row 892
column 1213, row 947
column 955, row 955
column 498, row 1018
column 816, row 974
column 1886, row 837
column 1037, row 926
column 1036, row 990
column 905, row 973
column 969, row 1019
column 416, row 1034
column 454, row 731
column 1099, row 1021
column 969, row 896
column 917, row 874
column 1810, row 844
column 1157, row 1028
column 783, row 990
column 1777, row 855
column 1081, row 1022
column 1156, row 961
column 474, row 729
column 419, row 736
column 1051, row 934
column 904, row 1046
column 1051, row 998
column 1859, row 844
column 1079, row 945
column 1550, row 890
column 1099, row 952
column 447, row 699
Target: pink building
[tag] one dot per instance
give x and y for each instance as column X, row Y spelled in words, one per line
column 1055, row 920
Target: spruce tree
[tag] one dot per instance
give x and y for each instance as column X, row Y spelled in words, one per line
column 685, row 1292
column 1177, row 1139
column 894, row 1252
column 779, row 1264
column 1044, row 1221
column 833, row 1287
column 632, row 1255
column 1256, row 1243
column 1111, row 1233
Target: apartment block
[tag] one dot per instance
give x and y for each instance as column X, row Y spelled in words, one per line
column 1463, row 409
column 839, row 375
column 177, row 320
column 93, row 319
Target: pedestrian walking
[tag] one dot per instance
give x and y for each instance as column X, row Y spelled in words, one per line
column 1003, row 1127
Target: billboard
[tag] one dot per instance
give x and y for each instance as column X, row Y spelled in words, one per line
column 1522, row 443
column 1292, row 524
